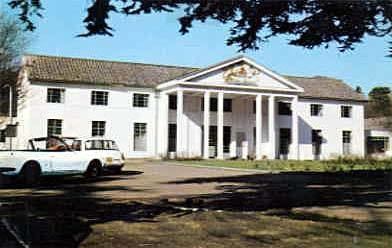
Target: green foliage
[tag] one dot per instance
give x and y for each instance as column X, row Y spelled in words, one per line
column 339, row 164
column 380, row 102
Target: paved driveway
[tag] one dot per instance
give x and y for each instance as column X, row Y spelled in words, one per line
column 139, row 180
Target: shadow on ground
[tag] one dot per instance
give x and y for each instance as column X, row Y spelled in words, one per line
column 65, row 220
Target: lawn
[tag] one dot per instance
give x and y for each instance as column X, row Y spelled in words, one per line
column 339, row 164
column 246, row 229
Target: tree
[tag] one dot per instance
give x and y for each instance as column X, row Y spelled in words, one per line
column 380, row 105
column 12, row 45
column 358, row 89
column 306, row 23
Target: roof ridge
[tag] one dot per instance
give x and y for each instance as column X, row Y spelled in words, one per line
column 110, row 61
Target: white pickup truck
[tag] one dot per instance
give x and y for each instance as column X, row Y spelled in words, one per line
column 53, row 156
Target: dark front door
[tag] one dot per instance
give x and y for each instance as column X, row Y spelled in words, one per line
column 284, row 141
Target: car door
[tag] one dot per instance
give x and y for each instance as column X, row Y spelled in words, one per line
column 63, row 159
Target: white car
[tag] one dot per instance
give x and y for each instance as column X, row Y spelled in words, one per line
column 105, row 149
column 52, row 155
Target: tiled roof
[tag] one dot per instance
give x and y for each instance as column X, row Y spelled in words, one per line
column 75, row 70
column 377, row 123
column 101, row 72
column 326, row 87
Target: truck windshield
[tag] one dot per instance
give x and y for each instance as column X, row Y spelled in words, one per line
column 101, row 145
column 49, row 144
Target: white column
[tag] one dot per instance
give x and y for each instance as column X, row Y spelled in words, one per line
column 294, row 128
column 180, row 112
column 206, row 124
column 220, row 126
column 258, row 126
column 162, row 126
column 271, row 127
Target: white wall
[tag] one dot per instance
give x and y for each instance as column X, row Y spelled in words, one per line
column 77, row 114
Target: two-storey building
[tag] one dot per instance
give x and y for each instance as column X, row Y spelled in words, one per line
column 236, row 108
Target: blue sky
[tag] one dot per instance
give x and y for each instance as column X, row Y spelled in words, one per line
column 155, row 39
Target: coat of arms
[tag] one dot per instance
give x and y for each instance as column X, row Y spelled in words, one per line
column 243, row 74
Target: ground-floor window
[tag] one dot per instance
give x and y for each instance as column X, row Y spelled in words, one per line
column 377, row 144
column 226, row 139
column 284, row 140
column 346, row 137
column 316, row 141
column 140, row 137
column 98, row 128
column 55, row 127
column 172, row 138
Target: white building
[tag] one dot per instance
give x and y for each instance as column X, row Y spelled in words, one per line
column 378, row 138
column 154, row 110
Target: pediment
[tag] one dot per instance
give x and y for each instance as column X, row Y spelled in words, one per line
column 244, row 73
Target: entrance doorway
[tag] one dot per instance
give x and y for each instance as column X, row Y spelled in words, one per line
column 284, row 142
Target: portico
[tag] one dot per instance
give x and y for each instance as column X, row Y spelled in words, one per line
column 228, row 111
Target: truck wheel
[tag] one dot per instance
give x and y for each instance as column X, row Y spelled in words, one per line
column 93, row 170
column 30, row 174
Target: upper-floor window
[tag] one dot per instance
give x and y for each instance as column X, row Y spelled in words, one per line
column 140, row 100
column 284, row 108
column 227, row 104
column 316, row 109
column 346, row 111
column 55, row 95
column 2, row 135
column 99, row 97
column 173, row 102
column 55, row 127
column 98, row 128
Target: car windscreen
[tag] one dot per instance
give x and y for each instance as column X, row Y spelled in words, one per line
column 101, row 145
column 49, row 144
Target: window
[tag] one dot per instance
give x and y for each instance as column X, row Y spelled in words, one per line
column 226, row 139
column 172, row 137
column 316, row 141
column 346, row 136
column 284, row 108
column 377, row 144
column 227, row 105
column 213, row 104
column 140, row 137
column 99, row 97
column 98, row 128
column 2, row 135
column 345, row 111
column 140, row 100
column 55, row 95
column 284, row 141
column 316, row 109
column 101, row 145
column 54, row 127
column 172, row 102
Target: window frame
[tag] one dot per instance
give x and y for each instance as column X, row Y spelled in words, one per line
column 316, row 109
column 342, row 111
column 173, row 102
column 286, row 111
column 49, row 96
column 347, row 146
column 54, row 127
column 99, row 102
column 139, row 132
column 140, row 102
column 98, row 131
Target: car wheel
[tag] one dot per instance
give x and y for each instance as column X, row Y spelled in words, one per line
column 30, row 174
column 93, row 170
